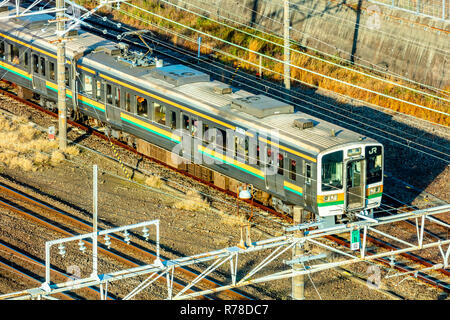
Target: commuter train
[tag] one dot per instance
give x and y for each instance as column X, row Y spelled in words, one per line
column 293, row 158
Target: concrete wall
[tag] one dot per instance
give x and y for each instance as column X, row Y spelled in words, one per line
column 402, row 43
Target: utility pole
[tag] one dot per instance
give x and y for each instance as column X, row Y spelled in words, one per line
column 61, row 76
column 94, row 222
column 298, row 282
column 287, row 54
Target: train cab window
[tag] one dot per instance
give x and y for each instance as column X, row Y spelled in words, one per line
column 128, row 102
column 374, row 164
column 2, row 49
column 109, row 97
column 332, row 169
column 160, row 113
column 280, row 164
column 292, row 169
column 43, row 69
column 142, row 106
column 117, row 97
column 308, row 173
column 35, row 62
column 173, row 120
column 99, row 90
column 87, row 85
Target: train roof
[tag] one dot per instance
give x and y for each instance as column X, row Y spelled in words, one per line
column 259, row 113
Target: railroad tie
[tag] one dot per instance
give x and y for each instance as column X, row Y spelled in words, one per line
column 124, row 169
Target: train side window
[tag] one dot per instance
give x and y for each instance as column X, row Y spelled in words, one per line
column 221, row 140
column 25, row 60
column 308, row 173
column 206, row 133
column 98, row 90
column 185, row 122
column 239, row 151
column 117, row 97
column 280, row 164
column 67, row 76
column 173, row 120
column 160, row 113
column 292, row 169
column 128, row 102
column 15, row 55
column 2, row 49
column 43, row 69
column 51, row 70
column 109, row 98
column 35, row 62
column 142, row 106
column 88, row 87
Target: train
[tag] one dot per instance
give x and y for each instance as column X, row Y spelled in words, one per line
column 290, row 157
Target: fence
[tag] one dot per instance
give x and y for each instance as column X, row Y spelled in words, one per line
column 429, row 8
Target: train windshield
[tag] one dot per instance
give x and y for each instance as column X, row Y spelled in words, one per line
column 332, row 165
column 374, row 168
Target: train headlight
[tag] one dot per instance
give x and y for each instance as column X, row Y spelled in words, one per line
column 374, row 190
column 331, row 197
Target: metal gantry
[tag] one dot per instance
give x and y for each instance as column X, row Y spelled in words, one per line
column 276, row 246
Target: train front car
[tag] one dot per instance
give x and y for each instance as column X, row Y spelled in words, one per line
column 350, row 180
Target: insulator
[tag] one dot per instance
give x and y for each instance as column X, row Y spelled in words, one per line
column 62, row 250
column 127, row 238
column 145, row 232
column 107, row 241
column 82, row 246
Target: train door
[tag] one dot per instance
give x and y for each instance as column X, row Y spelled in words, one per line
column 113, row 104
column 38, row 72
column 355, row 186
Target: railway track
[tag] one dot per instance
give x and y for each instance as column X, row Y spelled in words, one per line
column 29, row 267
column 419, row 261
column 54, row 219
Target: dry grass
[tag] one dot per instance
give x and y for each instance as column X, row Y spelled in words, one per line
column 72, row 151
column 275, row 51
column 193, row 202
column 154, row 181
column 22, row 145
column 57, row 157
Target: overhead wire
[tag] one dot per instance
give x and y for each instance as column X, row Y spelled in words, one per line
column 281, row 61
column 307, row 54
column 409, row 141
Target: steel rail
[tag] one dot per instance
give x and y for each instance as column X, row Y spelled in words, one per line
column 83, row 225
column 58, row 274
column 129, row 148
